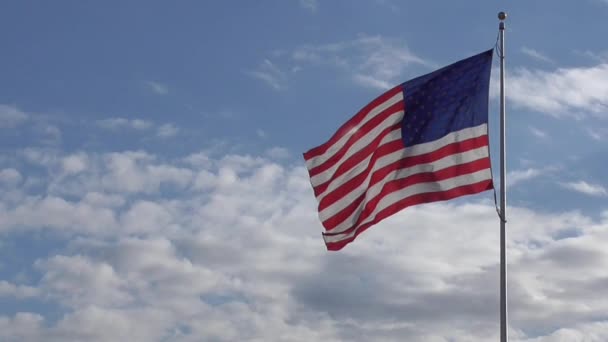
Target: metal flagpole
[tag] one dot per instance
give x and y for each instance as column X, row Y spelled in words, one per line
column 503, row 191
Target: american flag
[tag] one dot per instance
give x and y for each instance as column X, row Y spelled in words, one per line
column 423, row 141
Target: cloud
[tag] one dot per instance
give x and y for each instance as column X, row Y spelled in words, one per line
column 74, row 163
column 564, row 92
column 118, row 123
column 167, row 130
column 518, row 176
column 536, row 55
column 597, row 133
column 271, row 74
column 157, row 88
column 277, row 152
column 10, row 176
column 369, row 61
column 311, row 5
column 11, row 116
column 586, row 188
column 17, row 291
column 226, row 247
column 78, row 281
column 601, row 57
column 373, row 61
column 538, row 132
column 51, row 133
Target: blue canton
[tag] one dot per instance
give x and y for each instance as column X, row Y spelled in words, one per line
column 447, row 100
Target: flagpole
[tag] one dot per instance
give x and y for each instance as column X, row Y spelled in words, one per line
column 503, row 191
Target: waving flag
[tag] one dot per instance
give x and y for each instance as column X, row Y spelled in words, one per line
column 423, row 141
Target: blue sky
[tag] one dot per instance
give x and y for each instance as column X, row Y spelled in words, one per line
column 152, row 186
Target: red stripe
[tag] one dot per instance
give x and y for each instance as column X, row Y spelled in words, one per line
column 354, row 121
column 413, row 200
column 366, row 128
column 378, row 175
column 399, row 184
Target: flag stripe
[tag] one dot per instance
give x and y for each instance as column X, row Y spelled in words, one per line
column 382, row 156
column 453, row 137
column 372, row 185
column 358, row 210
column 387, row 158
column 390, row 142
column 399, row 193
column 371, row 131
column 335, row 243
column 320, row 154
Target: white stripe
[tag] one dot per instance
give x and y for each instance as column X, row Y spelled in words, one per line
column 357, row 146
column 320, row 159
column 457, row 136
column 454, row 137
column 376, row 189
column 396, row 196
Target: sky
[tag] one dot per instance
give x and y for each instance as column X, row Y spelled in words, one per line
column 152, row 185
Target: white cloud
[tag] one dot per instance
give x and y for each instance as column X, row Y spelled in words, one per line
column 271, row 74
column 11, row 116
column 536, row 55
column 167, row 130
column 118, row 123
column 74, row 163
column 277, row 152
column 157, row 87
column 78, row 282
column 136, row 172
column 17, row 291
column 56, row 213
column 586, row 188
column 43, row 157
column 233, row 252
column 370, row 61
column 518, row 176
column 564, row 92
column 373, row 61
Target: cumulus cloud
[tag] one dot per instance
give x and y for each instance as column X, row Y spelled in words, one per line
column 228, row 248
column 17, row 291
column 564, row 92
column 74, row 163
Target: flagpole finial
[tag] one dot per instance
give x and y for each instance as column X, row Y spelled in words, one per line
column 502, row 16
